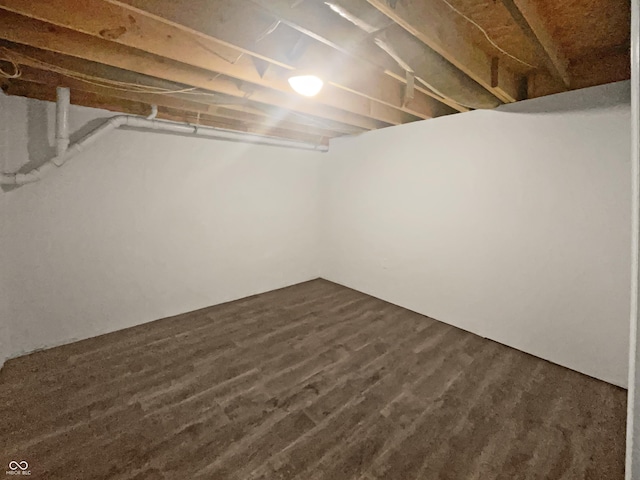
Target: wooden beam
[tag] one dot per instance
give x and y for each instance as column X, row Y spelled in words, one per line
column 526, row 16
column 438, row 72
column 433, row 24
column 599, row 67
column 85, row 99
column 43, row 77
column 317, row 22
column 221, row 21
column 34, row 75
column 20, row 29
column 47, row 93
column 45, row 60
column 603, row 66
column 146, row 33
column 224, row 15
column 541, row 83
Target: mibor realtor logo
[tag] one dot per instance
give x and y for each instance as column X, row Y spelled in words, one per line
column 18, row 468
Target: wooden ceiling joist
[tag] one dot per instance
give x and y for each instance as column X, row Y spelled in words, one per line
column 384, row 62
column 47, row 61
column 316, row 21
column 52, row 79
column 597, row 68
column 261, row 37
column 311, row 19
column 608, row 65
column 350, row 72
column 434, row 26
column 440, row 74
column 147, row 33
column 526, row 16
column 48, row 93
column 20, row 29
column 16, row 87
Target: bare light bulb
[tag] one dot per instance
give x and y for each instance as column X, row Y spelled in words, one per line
column 307, row 85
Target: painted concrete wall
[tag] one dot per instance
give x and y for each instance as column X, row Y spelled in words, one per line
column 5, row 339
column 513, row 224
column 145, row 226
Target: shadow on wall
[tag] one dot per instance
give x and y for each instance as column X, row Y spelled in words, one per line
column 610, row 95
column 39, row 149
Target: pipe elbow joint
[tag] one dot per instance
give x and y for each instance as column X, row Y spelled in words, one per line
column 154, row 112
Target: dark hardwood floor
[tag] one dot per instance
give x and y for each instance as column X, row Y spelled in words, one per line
column 311, row 382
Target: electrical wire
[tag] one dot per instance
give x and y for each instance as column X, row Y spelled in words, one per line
column 382, row 42
column 114, row 87
column 212, row 51
column 272, row 28
column 486, row 35
column 15, row 58
column 441, row 96
column 16, row 70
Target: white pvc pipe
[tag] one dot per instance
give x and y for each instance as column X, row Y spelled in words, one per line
column 218, row 133
column 150, row 124
column 154, row 112
column 632, row 471
column 62, row 120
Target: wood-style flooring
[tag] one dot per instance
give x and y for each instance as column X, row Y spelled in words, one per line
column 314, row 381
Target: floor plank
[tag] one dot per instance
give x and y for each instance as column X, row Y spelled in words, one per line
column 314, row 382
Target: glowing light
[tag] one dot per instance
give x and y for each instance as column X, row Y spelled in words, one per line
column 307, row 85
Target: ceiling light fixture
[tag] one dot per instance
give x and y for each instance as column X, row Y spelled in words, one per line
column 307, row 85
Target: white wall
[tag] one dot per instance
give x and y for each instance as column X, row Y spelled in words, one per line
column 513, row 224
column 144, row 226
column 5, row 339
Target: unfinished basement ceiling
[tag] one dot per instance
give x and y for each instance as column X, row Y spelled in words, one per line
column 225, row 63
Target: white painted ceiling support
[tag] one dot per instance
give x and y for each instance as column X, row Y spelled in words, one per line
column 62, row 120
column 64, row 154
column 633, row 400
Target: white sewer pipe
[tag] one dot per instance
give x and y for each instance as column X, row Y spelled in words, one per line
column 154, row 112
column 62, row 120
column 144, row 123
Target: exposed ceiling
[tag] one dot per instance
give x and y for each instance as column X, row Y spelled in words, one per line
column 225, row 63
